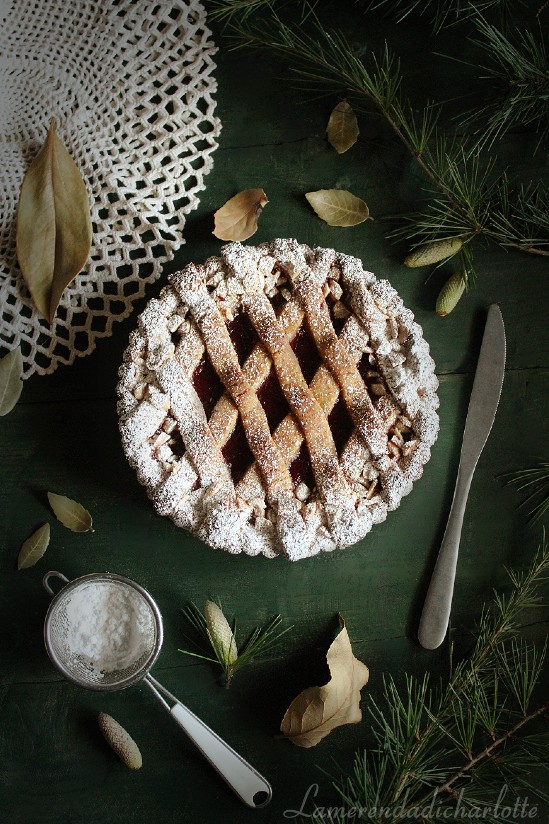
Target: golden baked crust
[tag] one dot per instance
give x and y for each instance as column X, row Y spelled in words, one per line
column 373, row 368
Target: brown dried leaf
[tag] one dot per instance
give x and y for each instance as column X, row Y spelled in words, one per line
column 237, row 218
column 318, row 710
column 337, row 207
column 70, row 513
column 342, row 129
column 53, row 224
column 34, row 547
column 11, row 385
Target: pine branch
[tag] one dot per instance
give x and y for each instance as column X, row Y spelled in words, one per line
column 520, row 68
column 429, row 743
column 488, row 751
column 466, row 200
column 215, row 640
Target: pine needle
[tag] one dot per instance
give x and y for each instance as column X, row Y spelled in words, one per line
column 442, row 13
column 534, row 480
column 223, row 10
column 259, row 643
column 519, row 68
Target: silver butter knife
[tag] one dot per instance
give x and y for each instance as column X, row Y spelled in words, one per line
column 480, row 417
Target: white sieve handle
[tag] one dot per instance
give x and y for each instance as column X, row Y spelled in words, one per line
column 251, row 787
column 239, row 775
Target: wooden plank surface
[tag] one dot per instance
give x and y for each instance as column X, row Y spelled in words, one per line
column 63, row 436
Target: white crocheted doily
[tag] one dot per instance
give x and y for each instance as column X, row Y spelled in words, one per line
column 130, row 86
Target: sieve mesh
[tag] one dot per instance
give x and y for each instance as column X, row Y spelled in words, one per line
column 137, row 616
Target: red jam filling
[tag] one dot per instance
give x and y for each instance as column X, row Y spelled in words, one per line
column 243, row 336
column 301, row 469
column 306, row 353
column 341, row 424
column 207, row 385
column 236, row 451
column 273, row 401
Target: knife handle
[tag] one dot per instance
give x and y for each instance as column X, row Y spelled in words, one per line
column 436, row 610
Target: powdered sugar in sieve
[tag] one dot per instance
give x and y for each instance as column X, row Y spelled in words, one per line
column 104, row 632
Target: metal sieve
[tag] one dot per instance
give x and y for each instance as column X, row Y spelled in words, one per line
column 251, row 787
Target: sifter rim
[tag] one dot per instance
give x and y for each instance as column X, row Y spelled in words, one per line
column 97, row 577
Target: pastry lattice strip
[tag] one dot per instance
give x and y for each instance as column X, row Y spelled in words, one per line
column 256, row 370
column 368, row 421
column 288, row 436
column 325, row 390
column 223, row 357
column 242, row 384
column 275, row 471
column 330, row 481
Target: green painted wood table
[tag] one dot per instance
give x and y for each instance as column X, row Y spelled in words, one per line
column 63, row 436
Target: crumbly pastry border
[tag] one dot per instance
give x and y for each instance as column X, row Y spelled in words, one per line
column 176, row 449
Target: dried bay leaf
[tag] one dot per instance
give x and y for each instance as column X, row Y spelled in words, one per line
column 11, row 385
column 70, row 513
column 237, row 218
column 54, row 228
column 318, row 710
column 342, row 129
column 337, row 207
column 34, row 547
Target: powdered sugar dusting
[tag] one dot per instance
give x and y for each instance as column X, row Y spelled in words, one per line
column 110, row 627
column 396, row 390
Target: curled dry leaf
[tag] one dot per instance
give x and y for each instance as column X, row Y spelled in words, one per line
column 342, row 129
column 70, row 513
column 337, row 207
column 54, row 229
column 34, row 547
column 11, row 385
column 237, row 218
column 318, row 710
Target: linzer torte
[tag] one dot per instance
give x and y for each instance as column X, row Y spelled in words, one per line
column 277, row 399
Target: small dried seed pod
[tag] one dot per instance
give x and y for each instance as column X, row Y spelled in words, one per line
column 220, row 633
column 120, row 741
column 433, row 252
column 450, row 294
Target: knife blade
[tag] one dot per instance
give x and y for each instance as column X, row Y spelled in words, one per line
column 481, row 413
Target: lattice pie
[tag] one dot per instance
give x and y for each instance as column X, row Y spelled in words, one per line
column 277, row 399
